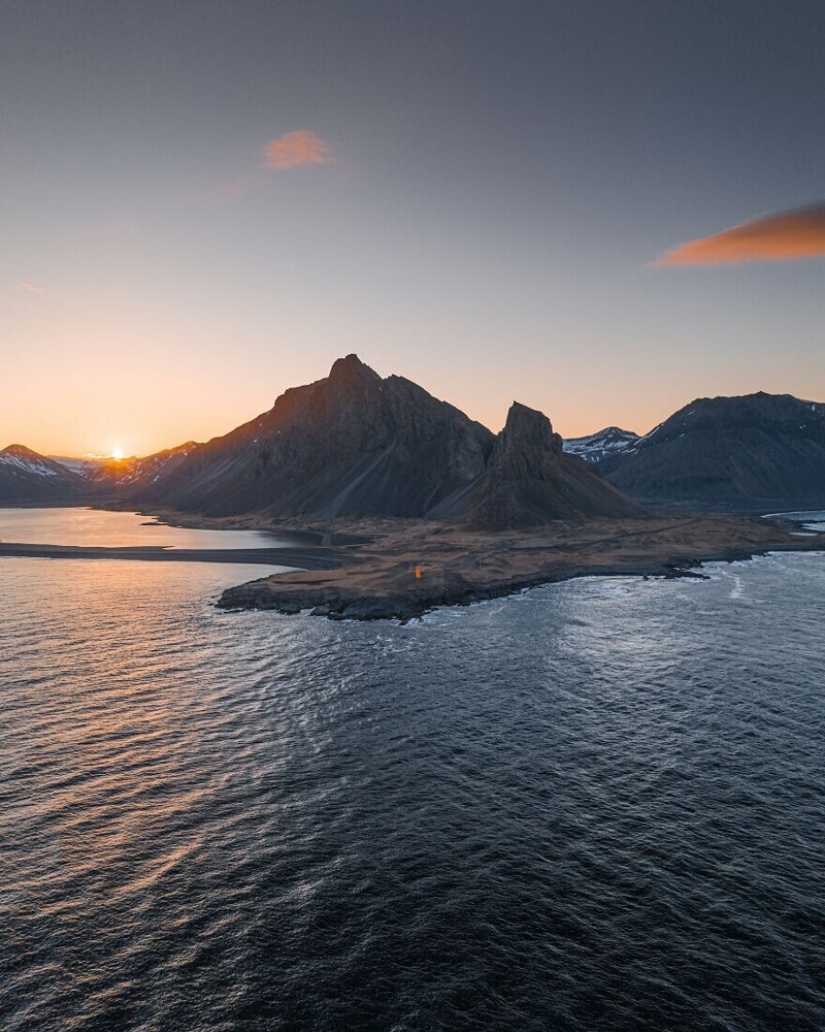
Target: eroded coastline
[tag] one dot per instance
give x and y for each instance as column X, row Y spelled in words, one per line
column 381, row 568
column 403, row 569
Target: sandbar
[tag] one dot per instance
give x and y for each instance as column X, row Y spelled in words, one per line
column 309, row 558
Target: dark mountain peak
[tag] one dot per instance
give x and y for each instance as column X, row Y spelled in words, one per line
column 352, row 443
column 517, row 411
column 616, row 433
column 529, row 481
column 351, row 370
column 750, row 452
column 771, row 413
column 348, row 380
column 527, row 437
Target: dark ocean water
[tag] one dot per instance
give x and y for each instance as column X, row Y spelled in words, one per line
column 596, row 805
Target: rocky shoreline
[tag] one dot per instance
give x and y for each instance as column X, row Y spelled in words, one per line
column 457, row 567
column 343, row 605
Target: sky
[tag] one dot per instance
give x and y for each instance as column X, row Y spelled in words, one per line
column 205, row 203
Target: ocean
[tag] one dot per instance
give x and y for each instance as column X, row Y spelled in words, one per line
column 594, row 805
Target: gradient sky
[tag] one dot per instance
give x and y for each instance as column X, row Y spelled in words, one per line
column 207, row 202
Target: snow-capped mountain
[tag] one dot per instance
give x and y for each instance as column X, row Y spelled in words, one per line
column 27, row 476
column 132, row 471
column 610, row 441
column 758, row 452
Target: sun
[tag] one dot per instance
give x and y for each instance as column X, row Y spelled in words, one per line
column 117, row 454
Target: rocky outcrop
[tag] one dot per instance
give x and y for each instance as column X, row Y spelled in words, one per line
column 529, row 481
column 353, row 443
column 759, row 452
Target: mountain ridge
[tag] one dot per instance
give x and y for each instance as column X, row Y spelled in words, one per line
column 751, row 452
column 350, row 442
column 356, row 443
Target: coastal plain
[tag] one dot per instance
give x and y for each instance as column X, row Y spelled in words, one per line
column 402, row 568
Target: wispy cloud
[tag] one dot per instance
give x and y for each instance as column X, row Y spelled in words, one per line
column 774, row 238
column 298, row 148
column 30, row 288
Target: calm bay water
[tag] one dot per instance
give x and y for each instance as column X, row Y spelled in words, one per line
column 596, row 805
column 83, row 526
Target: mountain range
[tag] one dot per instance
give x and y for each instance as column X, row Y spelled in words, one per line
column 358, row 444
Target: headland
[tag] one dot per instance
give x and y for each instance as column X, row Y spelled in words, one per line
column 400, row 569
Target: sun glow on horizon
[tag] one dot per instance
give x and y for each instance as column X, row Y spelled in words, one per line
column 117, row 454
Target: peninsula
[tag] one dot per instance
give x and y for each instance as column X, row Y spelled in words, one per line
column 405, row 568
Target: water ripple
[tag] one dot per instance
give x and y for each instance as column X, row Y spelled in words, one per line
column 597, row 805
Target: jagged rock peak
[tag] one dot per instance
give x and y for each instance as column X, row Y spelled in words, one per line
column 350, row 370
column 528, row 428
column 529, row 481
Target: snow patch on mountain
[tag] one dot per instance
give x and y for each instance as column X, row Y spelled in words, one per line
column 34, row 468
column 27, row 476
column 595, row 447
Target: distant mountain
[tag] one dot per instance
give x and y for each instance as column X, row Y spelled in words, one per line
column 82, row 466
column 758, row 452
column 598, row 446
column 529, row 481
column 26, row 476
column 132, row 474
column 350, row 444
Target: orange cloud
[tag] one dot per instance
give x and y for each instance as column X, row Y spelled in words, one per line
column 292, row 150
column 30, row 288
column 775, row 238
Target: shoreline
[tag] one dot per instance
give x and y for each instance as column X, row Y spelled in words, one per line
column 460, row 567
column 313, row 558
column 365, row 569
